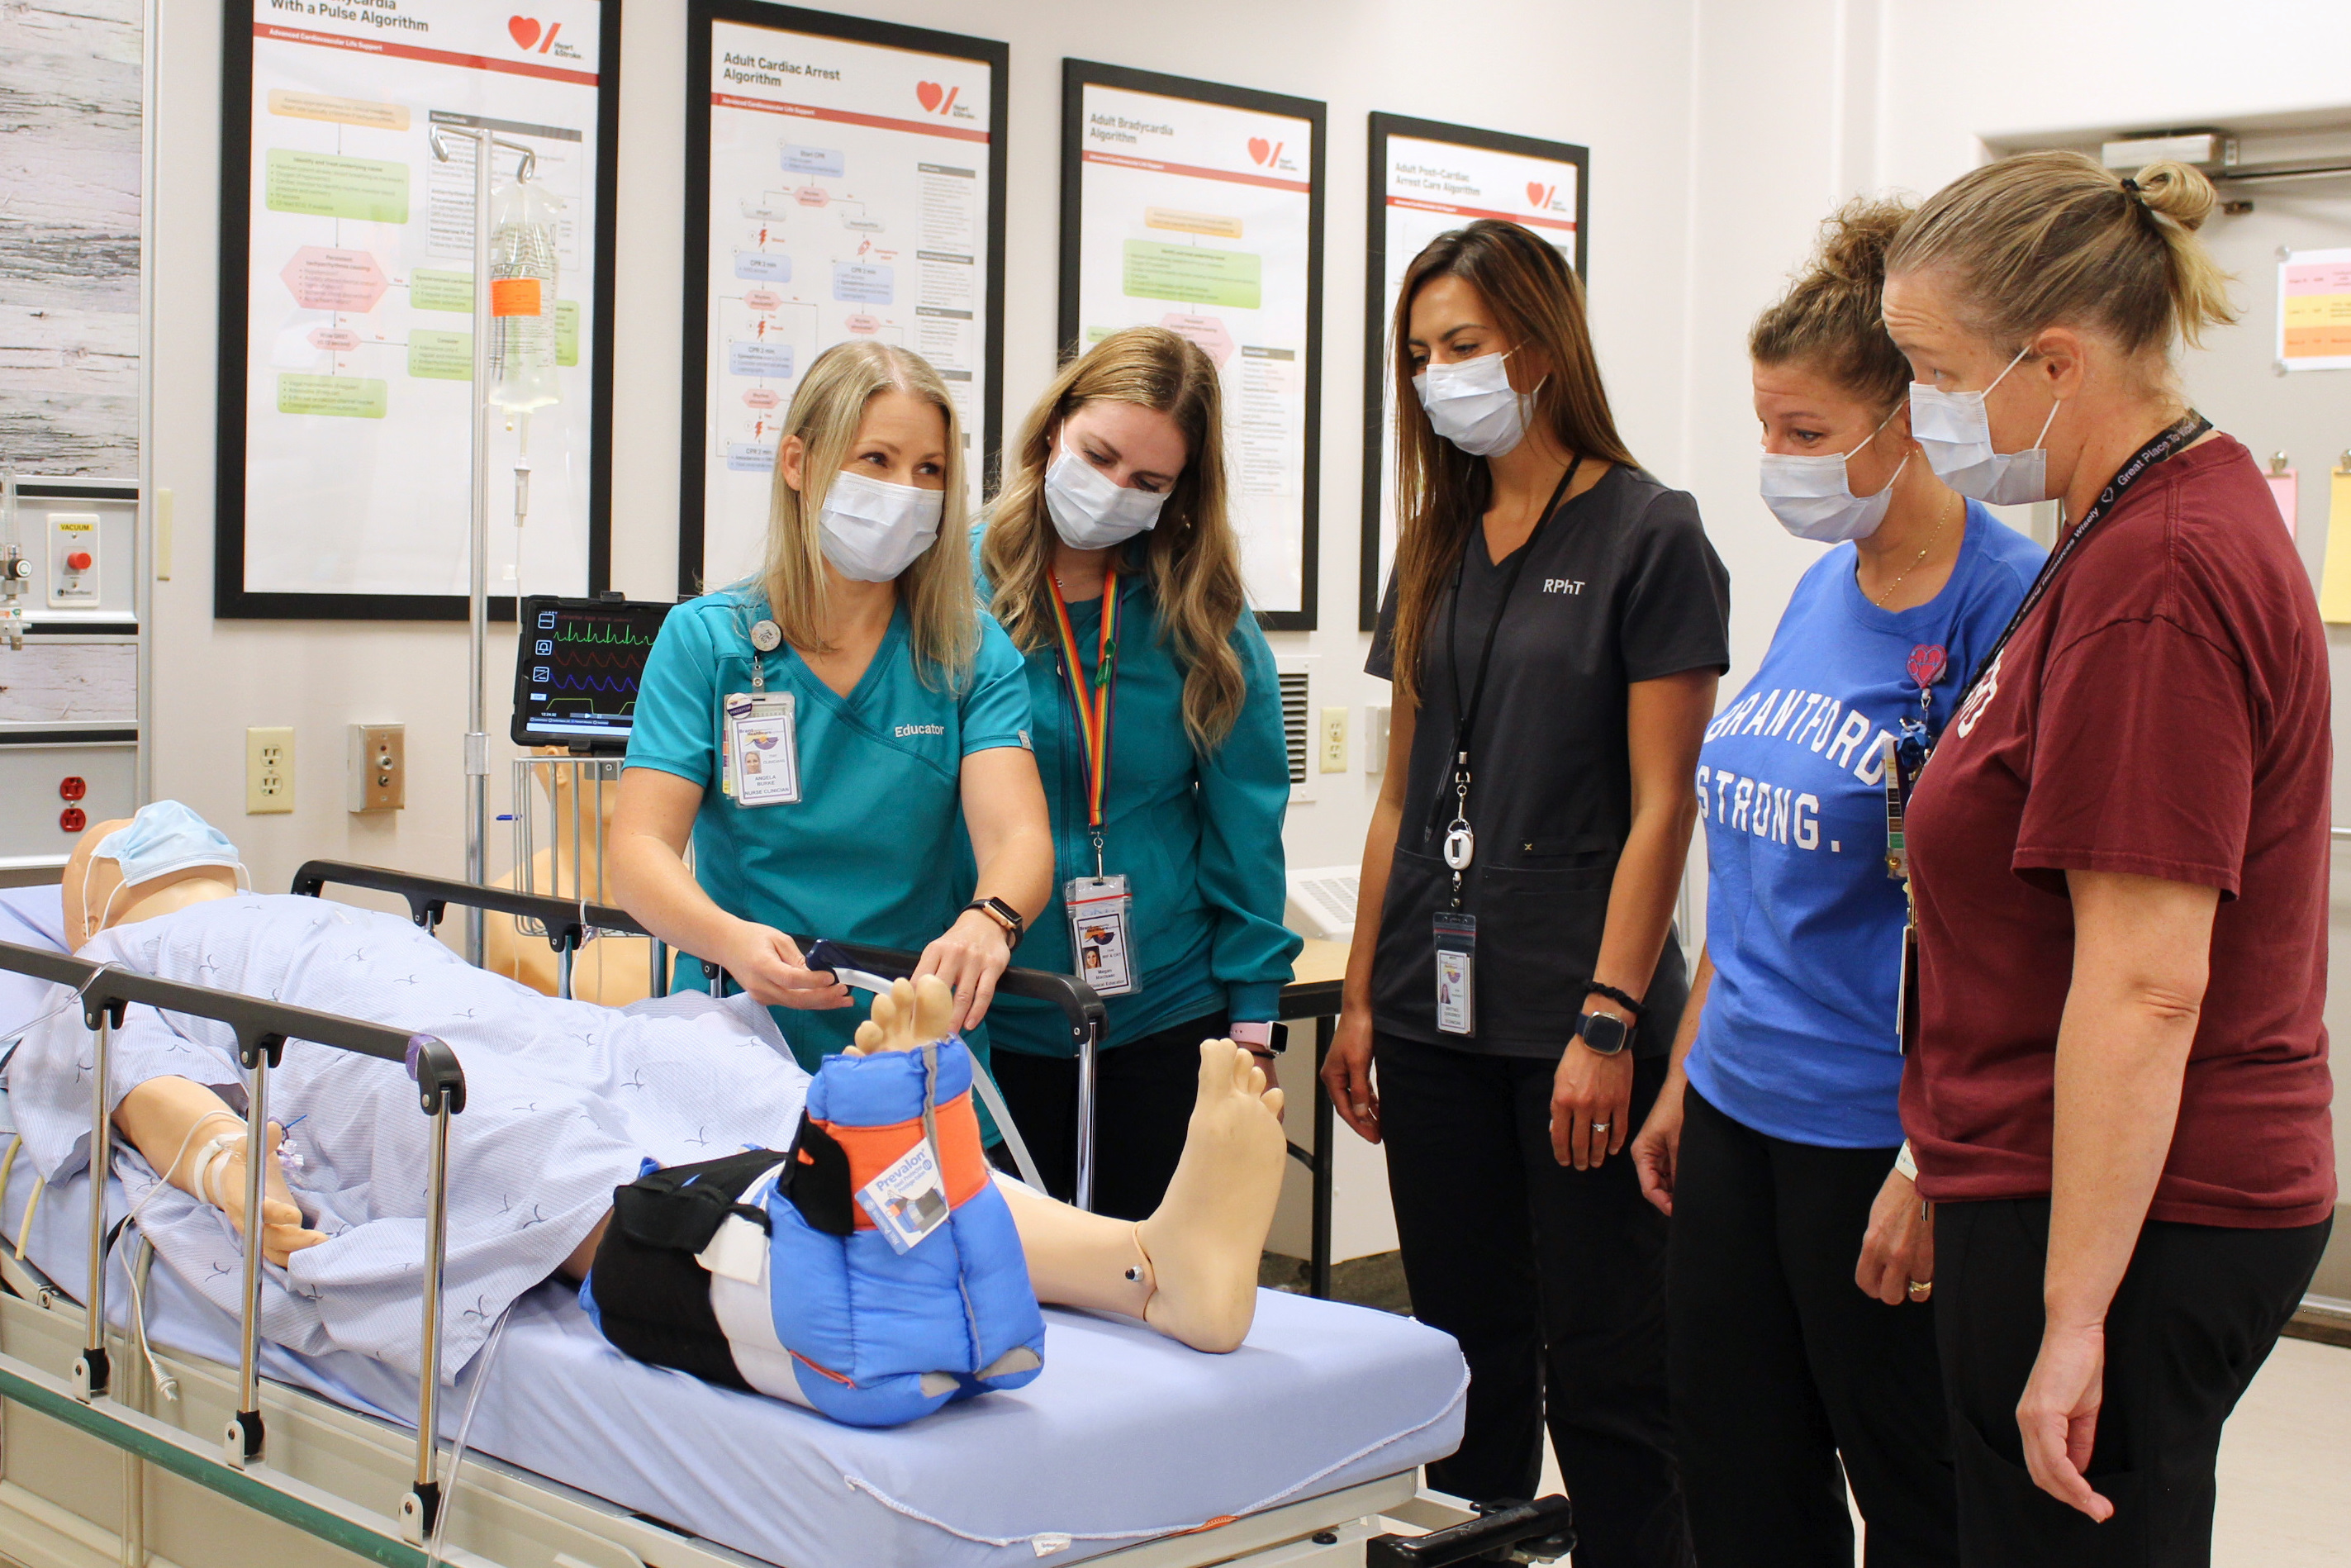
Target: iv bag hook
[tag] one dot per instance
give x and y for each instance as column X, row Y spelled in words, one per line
column 526, row 170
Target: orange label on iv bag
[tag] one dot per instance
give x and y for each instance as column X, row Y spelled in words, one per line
column 514, row 297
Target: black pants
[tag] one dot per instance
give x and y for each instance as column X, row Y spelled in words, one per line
column 1779, row 1364
column 1144, row 1094
column 2196, row 1316
column 1552, row 1279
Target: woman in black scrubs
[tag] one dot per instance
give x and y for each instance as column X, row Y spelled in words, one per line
column 1555, row 628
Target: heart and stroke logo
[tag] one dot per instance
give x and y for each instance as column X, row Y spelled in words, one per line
column 526, row 32
column 935, row 98
column 1263, row 153
column 1540, row 194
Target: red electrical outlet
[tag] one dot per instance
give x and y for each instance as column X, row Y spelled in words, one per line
column 72, row 787
column 72, row 820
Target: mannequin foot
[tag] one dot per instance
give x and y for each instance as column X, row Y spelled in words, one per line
column 1203, row 1241
column 911, row 1015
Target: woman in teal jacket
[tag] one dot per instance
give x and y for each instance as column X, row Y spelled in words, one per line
column 1109, row 551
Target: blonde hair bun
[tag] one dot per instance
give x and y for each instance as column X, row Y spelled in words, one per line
column 2177, row 192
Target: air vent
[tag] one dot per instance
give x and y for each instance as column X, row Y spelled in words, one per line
column 1294, row 722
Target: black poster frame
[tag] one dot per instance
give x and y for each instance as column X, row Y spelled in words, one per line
column 693, row 433
column 1376, row 322
column 231, row 600
column 1076, row 77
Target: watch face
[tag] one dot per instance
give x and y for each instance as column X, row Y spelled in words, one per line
column 1603, row 1032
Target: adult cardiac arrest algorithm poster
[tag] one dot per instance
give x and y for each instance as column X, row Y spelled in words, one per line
column 359, row 297
column 851, row 196
column 1425, row 186
column 1203, row 217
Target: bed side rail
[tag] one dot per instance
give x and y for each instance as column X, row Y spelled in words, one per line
column 262, row 1028
column 568, row 922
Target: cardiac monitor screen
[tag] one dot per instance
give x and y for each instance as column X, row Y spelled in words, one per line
column 577, row 669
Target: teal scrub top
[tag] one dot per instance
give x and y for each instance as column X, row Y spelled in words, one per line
column 873, row 851
column 1199, row 837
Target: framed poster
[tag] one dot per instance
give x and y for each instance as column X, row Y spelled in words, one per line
column 2314, row 322
column 346, row 333
column 1198, row 207
column 845, row 179
column 1427, row 178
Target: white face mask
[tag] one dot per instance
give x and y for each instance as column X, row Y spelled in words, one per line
column 872, row 531
column 1472, row 404
column 1089, row 511
column 1955, row 433
column 1813, row 496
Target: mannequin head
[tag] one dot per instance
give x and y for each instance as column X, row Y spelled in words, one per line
column 164, row 834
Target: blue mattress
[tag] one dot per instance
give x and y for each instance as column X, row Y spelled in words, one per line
column 1125, row 1437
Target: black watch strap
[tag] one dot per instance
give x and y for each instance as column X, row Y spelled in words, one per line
column 1605, row 1034
column 1004, row 914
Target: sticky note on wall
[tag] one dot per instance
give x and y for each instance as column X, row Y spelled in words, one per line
column 2334, row 585
column 2282, row 491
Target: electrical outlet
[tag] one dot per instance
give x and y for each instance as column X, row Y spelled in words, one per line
column 268, row 770
column 1334, row 740
column 376, row 767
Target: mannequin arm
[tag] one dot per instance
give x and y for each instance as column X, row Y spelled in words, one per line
column 172, row 1119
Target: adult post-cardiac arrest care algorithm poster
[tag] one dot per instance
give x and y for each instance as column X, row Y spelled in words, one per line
column 844, row 184
column 1198, row 207
column 1427, row 179
column 346, row 433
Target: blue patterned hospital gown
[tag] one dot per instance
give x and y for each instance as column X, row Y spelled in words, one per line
column 564, row 1101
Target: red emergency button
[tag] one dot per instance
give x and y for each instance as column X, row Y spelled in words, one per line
column 71, row 819
column 72, row 787
column 78, row 561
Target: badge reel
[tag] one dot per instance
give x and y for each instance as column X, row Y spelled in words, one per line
column 1455, row 934
column 1099, row 909
column 761, row 761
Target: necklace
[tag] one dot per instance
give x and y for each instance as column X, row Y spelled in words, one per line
column 1932, row 539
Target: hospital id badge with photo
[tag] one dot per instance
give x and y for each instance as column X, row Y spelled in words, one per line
column 909, row 1199
column 1099, row 909
column 1456, row 938
column 762, row 759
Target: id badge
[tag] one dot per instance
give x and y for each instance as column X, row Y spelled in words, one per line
column 908, row 1200
column 762, row 755
column 1456, row 972
column 1099, row 909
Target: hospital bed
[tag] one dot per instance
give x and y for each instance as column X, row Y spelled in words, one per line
column 1303, row 1447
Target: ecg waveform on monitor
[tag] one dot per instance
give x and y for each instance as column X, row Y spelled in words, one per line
column 566, row 681
column 612, row 631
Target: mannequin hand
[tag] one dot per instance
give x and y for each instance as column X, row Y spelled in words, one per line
column 1347, row 1074
column 1591, row 1100
column 969, row 956
column 2058, row 1417
column 765, row 963
column 1899, row 1246
column 283, row 1232
column 1657, row 1150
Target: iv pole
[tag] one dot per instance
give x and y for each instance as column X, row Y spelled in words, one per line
column 477, row 581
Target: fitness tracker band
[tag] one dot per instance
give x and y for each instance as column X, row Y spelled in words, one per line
column 1603, row 1034
column 1004, row 914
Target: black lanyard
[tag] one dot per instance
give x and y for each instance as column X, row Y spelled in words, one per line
column 1465, row 713
column 2190, row 426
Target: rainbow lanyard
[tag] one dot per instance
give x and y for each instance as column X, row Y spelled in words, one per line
column 1091, row 699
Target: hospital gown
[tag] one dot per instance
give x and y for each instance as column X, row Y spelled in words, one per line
column 564, row 1101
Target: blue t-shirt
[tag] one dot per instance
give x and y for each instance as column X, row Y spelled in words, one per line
column 1803, row 924
column 872, row 851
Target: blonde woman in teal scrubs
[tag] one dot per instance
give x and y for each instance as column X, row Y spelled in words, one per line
column 825, row 732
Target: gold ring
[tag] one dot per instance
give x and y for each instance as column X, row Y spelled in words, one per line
column 1921, row 1289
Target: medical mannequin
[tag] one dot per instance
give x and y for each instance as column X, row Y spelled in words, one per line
column 1189, row 1271
column 612, row 971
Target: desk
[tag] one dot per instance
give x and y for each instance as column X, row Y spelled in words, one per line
column 1313, row 993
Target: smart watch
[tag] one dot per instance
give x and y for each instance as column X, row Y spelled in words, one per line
column 1603, row 1034
column 1004, row 914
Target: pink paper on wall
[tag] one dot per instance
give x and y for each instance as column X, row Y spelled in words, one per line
column 2281, row 491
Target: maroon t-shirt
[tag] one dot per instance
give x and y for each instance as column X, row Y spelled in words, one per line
column 2163, row 711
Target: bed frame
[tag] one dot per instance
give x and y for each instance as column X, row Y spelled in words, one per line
column 243, row 1472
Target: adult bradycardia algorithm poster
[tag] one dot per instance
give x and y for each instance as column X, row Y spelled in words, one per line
column 1198, row 217
column 849, row 192
column 358, row 330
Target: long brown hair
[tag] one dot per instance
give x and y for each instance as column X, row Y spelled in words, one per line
column 1535, row 298
column 942, row 610
column 1192, row 557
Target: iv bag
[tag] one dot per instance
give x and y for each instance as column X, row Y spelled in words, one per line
column 522, row 297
